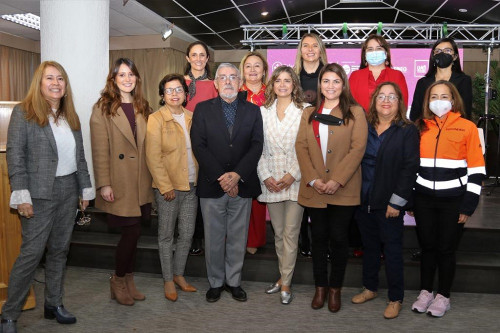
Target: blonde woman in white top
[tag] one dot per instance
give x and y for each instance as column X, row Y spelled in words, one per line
column 279, row 171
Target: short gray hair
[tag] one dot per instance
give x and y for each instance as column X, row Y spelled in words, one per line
column 229, row 65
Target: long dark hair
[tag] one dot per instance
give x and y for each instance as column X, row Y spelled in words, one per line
column 455, row 67
column 188, row 65
column 383, row 43
column 345, row 99
column 169, row 78
column 110, row 99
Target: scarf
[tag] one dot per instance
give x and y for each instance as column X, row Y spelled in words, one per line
column 192, row 85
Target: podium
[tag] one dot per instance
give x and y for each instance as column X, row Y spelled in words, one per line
column 10, row 225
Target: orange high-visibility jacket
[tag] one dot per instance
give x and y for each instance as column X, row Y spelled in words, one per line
column 451, row 161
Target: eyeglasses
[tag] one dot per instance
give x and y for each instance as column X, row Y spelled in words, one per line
column 382, row 98
column 170, row 91
column 446, row 50
column 231, row 78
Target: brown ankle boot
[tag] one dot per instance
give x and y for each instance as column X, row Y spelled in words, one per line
column 319, row 298
column 132, row 290
column 119, row 290
column 334, row 299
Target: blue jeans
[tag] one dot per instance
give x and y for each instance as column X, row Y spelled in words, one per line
column 378, row 234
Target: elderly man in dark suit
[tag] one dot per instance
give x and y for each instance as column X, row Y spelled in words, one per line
column 227, row 139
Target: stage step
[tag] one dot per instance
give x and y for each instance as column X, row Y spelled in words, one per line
column 478, row 258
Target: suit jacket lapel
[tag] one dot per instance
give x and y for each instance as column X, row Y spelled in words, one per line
column 121, row 121
column 50, row 135
column 271, row 124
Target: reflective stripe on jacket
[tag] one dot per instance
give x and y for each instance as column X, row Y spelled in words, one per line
column 451, row 161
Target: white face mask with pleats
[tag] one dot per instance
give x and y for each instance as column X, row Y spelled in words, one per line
column 440, row 107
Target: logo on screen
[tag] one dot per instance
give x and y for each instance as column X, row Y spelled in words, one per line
column 347, row 69
column 276, row 65
column 421, row 67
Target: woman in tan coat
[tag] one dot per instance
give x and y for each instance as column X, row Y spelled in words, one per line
column 330, row 145
column 174, row 170
column 118, row 131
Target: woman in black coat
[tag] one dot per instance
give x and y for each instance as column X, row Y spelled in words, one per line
column 444, row 64
column 389, row 169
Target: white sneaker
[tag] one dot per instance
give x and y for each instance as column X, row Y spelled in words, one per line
column 439, row 306
column 423, row 301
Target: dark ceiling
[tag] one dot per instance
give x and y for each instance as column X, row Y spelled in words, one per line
column 217, row 22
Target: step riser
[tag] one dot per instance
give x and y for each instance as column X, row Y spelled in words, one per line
column 467, row 278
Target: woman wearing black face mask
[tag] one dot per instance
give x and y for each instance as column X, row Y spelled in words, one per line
column 444, row 64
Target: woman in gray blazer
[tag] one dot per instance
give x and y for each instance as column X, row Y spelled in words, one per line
column 48, row 173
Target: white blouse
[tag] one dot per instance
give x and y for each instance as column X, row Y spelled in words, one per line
column 66, row 162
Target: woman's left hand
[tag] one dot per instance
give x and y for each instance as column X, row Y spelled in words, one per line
column 331, row 187
column 391, row 212
column 462, row 218
column 285, row 182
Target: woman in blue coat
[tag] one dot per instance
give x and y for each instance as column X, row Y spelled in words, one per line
column 389, row 169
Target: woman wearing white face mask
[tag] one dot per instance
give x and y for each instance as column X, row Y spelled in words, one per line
column 444, row 64
column 446, row 191
column 375, row 68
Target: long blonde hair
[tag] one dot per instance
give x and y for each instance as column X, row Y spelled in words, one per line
column 298, row 58
column 37, row 108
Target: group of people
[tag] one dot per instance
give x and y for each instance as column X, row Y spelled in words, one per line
column 219, row 149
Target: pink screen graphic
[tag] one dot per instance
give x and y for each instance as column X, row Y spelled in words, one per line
column 413, row 63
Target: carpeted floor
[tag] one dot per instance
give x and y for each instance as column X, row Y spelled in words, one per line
column 87, row 296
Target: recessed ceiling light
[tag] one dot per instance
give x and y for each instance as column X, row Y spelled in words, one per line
column 28, row 20
column 462, row 10
column 264, row 13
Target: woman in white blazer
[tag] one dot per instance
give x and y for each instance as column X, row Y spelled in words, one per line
column 279, row 171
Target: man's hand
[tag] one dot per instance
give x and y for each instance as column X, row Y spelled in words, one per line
column 228, row 180
column 233, row 193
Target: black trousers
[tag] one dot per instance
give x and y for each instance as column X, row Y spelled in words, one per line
column 439, row 234
column 330, row 225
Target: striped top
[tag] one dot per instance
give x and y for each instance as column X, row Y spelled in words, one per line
column 451, row 161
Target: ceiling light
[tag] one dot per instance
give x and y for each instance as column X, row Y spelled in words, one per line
column 360, row 1
column 28, row 20
column 264, row 13
column 462, row 10
column 167, row 32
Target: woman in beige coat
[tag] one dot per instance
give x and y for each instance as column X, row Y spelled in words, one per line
column 118, row 131
column 279, row 172
column 330, row 145
column 174, row 170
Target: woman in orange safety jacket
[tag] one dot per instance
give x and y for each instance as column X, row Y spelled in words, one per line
column 446, row 191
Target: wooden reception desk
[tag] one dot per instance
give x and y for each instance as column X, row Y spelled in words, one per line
column 10, row 225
